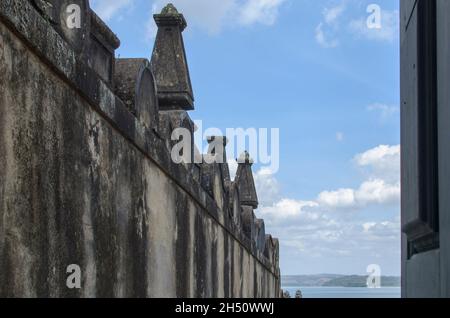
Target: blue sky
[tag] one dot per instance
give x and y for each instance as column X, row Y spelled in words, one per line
column 314, row 70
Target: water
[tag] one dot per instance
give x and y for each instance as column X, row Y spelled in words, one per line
column 346, row 292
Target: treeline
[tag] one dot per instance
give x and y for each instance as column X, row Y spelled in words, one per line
column 361, row 281
column 331, row 280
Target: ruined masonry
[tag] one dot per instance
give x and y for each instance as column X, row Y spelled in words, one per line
column 86, row 175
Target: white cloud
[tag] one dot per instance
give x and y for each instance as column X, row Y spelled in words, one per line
column 332, row 14
column 209, row 15
column 259, row 11
column 312, row 231
column 327, row 237
column 381, row 157
column 288, row 208
column 322, row 39
column 375, row 191
column 333, row 25
column 342, row 198
column 213, row 15
column 389, row 27
column 381, row 188
column 340, row 136
column 373, row 226
column 316, row 229
column 267, row 186
column 107, row 9
column 386, row 111
column 232, row 166
column 385, row 230
column 368, row 226
column 325, row 32
column 381, row 162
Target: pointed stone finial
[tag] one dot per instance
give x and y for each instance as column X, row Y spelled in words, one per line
column 246, row 183
column 217, row 154
column 170, row 16
column 217, row 147
column 169, row 62
column 260, row 234
column 245, row 159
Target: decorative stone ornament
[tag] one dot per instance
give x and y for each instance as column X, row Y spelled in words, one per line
column 248, row 223
column 245, row 181
column 71, row 19
column 75, row 22
column 235, row 204
column 217, row 154
column 146, row 101
column 103, row 43
column 272, row 249
column 170, row 16
column 136, row 87
column 169, row 62
column 260, row 235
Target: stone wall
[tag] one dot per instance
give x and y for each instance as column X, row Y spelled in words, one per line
column 86, row 176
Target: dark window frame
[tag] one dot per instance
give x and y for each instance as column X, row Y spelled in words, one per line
column 423, row 235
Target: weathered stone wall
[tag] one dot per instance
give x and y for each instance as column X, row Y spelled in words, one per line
column 86, row 178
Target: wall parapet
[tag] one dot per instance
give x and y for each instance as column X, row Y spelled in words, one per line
column 118, row 90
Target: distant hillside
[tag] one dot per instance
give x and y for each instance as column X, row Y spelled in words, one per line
column 332, row 280
column 361, row 281
column 307, row 280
